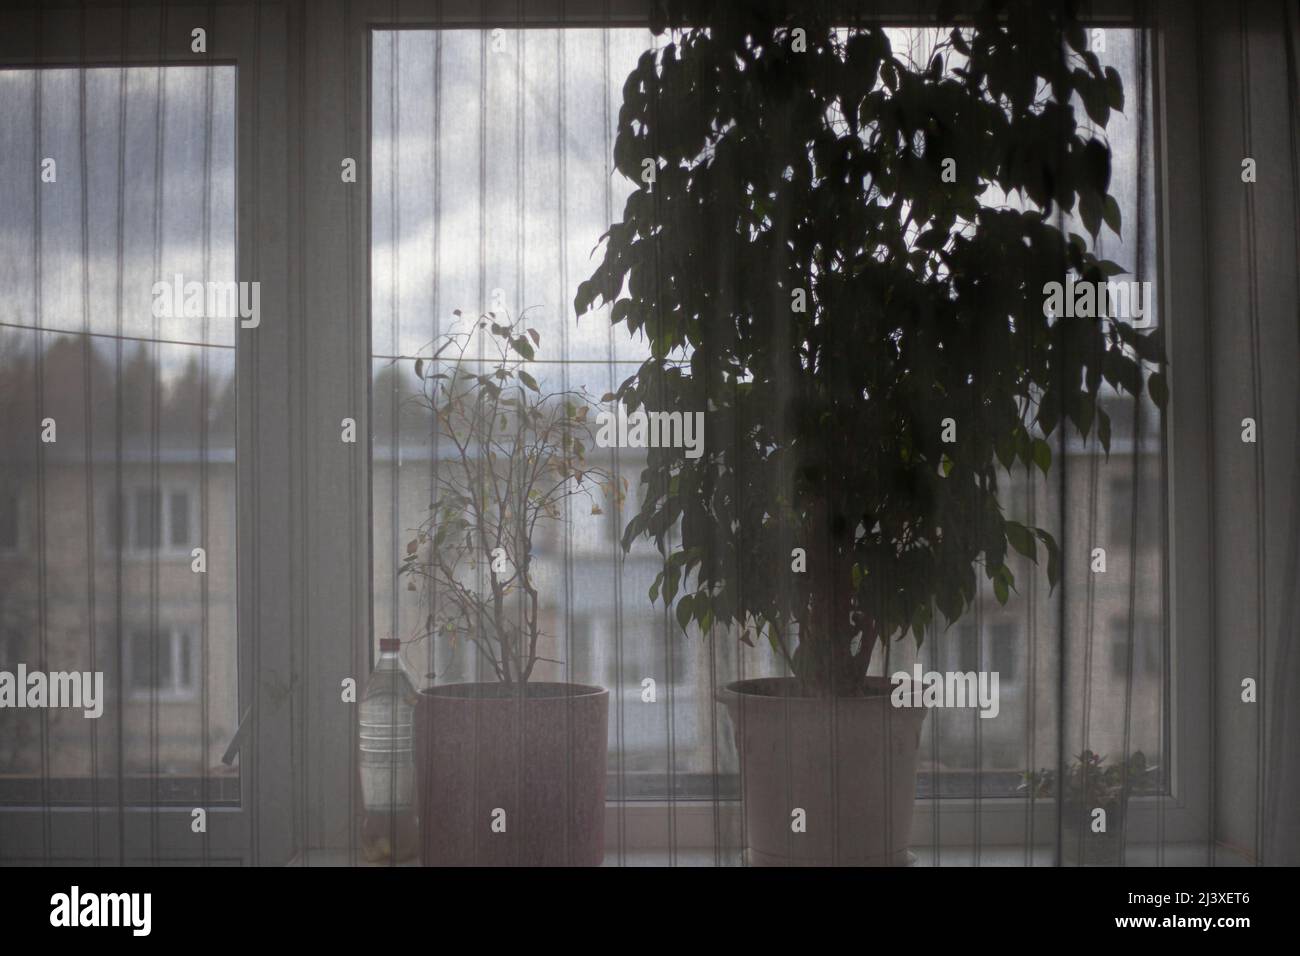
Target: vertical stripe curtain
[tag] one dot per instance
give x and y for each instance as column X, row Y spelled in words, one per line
column 493, row 164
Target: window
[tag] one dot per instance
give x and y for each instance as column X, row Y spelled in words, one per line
column 11, row 644
column 144, row 467
column 178, row 535
column 1143, row 645
column 1005, row 652
column 147, row 526
column 161, row 665
column 482, row 199
column 478, row 170
column 963, row 652
column 150, row 520
column 168, row 162
column 10, row 516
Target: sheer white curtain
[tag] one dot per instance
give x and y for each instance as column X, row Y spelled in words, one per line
column 119, row 427
column 493, row 181
column 484, row 144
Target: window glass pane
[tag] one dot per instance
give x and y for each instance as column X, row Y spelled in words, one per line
column 144, row 669
column 148, row 518
column 144, row 401
column 492, row 180
column 1005, row 649
column 115, row 521
column 180, row 519
column 184, row 669
column 8, row 519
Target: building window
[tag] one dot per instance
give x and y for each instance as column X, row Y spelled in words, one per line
column 1004, row 641
column 162, row 665
column 148, row 519
column 9, row 524
column 11, row 642
column 178, row 534
column 964, row 650
column 151, row 519
column 1146, row 641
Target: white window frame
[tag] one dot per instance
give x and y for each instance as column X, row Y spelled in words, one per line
column 253, row 36
column 304, row 541
column 991, row 824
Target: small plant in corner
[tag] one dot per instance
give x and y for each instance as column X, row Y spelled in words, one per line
column 1092, row 784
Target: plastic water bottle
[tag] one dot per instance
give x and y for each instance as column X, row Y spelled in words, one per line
column 390, row 830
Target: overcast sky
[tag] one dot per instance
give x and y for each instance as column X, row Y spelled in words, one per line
column 159, row 207
column 491, row 165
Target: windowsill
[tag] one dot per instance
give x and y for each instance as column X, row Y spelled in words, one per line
column 162, row 697
column 141, row 555
column 1144, row 855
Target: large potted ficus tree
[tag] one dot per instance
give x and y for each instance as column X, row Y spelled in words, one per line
column 841, row 257
column 510, row 771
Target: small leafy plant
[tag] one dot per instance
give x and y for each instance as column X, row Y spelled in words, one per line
column 512, row 456
column 1091, row 782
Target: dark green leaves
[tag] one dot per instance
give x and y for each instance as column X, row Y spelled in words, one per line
column 521, row 345
column 1042, row 455
column 923, row 301
column 1114, row 89
column 1053, row 557
column 685, row 609
column 1022, row 539
column 1003, row 583
column 1159, row 390
column 1110, row 213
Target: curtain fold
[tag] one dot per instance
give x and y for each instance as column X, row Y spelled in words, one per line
column 1281, row 826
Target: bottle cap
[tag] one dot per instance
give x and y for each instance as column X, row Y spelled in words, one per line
column 389, row 644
